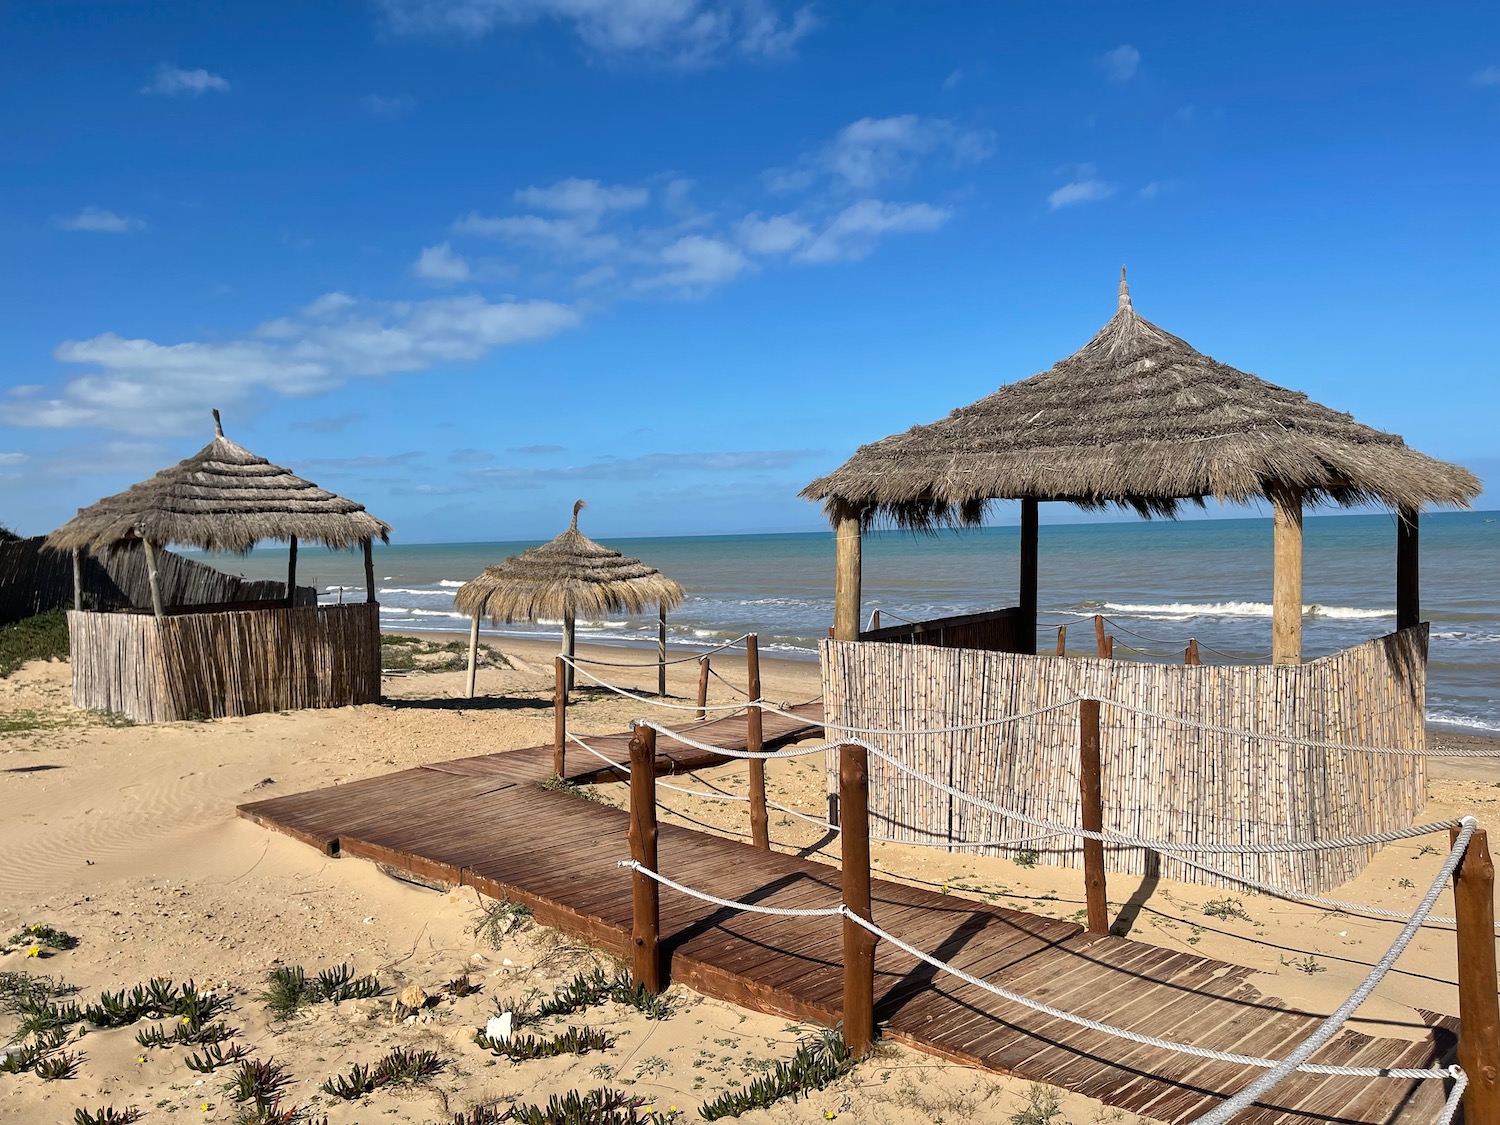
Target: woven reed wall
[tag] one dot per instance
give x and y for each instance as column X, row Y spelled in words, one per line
column 233, row 662
column 34, row 580
column 994, row 631
column 1161, row 780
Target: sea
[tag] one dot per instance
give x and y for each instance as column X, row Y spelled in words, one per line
column 1159, row 582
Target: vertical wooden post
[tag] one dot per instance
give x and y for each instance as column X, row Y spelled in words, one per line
column 874, row 620
column 473, row 654
column 1286, row 582
column 847, row 577
column 77, row 578
column 859, row 943
column 1062, row 640
column 559, row 715
column 1109, row 648
column 1027, row 622
column 570, row 645
column 703, row 687
column 645, row 931
column 1478, row 1007
column 1408, row 592
column 1099, row 634
column 291, row 572
column 1091, row 801
column 661, row 650
column 369, row 572
column 760, row 832
column 1190, row 656
column 152, row 578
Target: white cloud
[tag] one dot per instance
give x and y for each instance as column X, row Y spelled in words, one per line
column 680, row 32
column 1489, row 76
column 1122, row 64
column 777, row 235
column 583, row 197
column 1080, row 191
column 142, row 387
column 397, row 105
column 98, row 219
column 953, row 79
column 699, row 263
column 574, row 237
column 12, row 458
column 854, row 231
column 874, row 150
column 440, row 263
column 173, row 80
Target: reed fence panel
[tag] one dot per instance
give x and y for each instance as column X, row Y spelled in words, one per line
column 232, row 662
column 1162, row 780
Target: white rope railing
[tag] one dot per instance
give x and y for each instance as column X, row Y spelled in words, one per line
column 752, row 907
column 658, row 663
column 647, row 699
column 730, row 752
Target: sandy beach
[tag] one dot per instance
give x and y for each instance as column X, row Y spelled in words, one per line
column 126, row 837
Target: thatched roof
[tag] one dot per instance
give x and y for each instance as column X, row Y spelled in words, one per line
column 569, row 575
column 222, row 498
column 1140, row 419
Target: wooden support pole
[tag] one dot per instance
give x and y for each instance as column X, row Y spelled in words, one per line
column 77, row 578
column 152, row 577
column 1099, row 634
column 645, row 930
column 1478, row 1007
column 859, row 943
column 291, row 572
column 473, row 654
column 559, row 715
column 1109, row 648
column 1062, row 640
column 1091, row 800
column 369, row 571
column 874, row 620
column 760, row 832
column 847, row 577
column 1408, row 592
column 1191, row 655
column 570, row 643
column 661, row 650
column 702, row 688
column 1026, row 623
column 1286, row 582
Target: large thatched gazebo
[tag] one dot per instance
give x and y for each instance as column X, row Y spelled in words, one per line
column 561, row 579
column 1222, row 755
column 229, row 659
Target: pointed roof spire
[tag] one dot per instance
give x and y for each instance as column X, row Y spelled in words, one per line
column 578, row 506
column 218, row 425
column 1124, row 290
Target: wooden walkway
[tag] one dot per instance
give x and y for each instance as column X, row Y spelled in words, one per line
column 483, row 822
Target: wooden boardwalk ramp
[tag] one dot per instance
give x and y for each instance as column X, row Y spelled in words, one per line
column 483, row 822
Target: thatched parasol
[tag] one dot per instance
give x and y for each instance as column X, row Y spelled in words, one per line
column 223, row 498
column 568, row 576
column 1137, row 418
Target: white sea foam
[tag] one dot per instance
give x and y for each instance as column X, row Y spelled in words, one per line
column 1172, row 611
column 410, row 590
column 450, row 582
column 1450, row 719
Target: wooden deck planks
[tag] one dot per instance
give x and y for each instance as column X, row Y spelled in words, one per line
column 482, row 821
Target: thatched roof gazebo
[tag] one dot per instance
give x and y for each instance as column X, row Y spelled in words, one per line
column 218, row 660
column 1137, row 418
column 561, row 579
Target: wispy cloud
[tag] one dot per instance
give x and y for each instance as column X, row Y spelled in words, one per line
column 855, row 230
column 1122, row 64
column 696, row 264
column 99, row 219
column 536, row 450
column 1489, row 76
column 650, row 466
column 1080, row 191
column 953, row 79
column 174, row 81
column 440, row 263
column 874, row 151
column 12, row 458
column 683, row 33
column 396, row 105
column 470, row 456
column 143, row 387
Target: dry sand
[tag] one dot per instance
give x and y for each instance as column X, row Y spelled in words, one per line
column 126, row 837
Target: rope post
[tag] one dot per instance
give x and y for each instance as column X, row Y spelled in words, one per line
column 645, row 894
column 702, row 688
column 1190, row 657
column 559, row 715
column 874, row 620
column 1478, row 1006
column 1099, row 635
column 859, row 943
column 77, row 578
column 760, row 833
column 369, row 571
column 1109, row 648
column 1091, row 800
column 1062, row 640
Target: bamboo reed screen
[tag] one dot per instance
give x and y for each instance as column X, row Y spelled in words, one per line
column 1162, row 780
column 232, row 662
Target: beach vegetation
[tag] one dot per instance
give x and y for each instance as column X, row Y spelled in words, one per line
column 416, row 654
column 1308, row 964
column 461, row 986
column 64, row 1064
column 402, row 1067
column 555, row 784
column 602, row 1106
column 289, row 988
column 257, row 1083
column 497, row 919
column 820, row 1060
column 1026, row 858
column 216, row 1056
column 49, row 937
column 574, row 1041
column 108, row 1115
column 1226, row 908
column 1043, row 1107
column 40, row 637
column 158, row 998
column 586, row 990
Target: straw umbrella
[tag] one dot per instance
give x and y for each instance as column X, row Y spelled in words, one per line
column 563, row 578
column 223, row 498
column 1140, row 419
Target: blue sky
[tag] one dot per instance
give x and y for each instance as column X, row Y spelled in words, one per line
column 465, row 260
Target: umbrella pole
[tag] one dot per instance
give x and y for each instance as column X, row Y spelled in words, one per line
column 152, row 577
column 661, row 651
column 570, row 625
column 291, row 573
column 473, row 653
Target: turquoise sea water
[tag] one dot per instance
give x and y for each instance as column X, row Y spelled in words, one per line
column 1159, row 582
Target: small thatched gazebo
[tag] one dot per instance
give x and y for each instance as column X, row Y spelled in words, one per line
column 235, row 659
column 1139, row 419
column 561, row 579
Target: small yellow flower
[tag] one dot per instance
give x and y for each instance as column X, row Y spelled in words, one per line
column 34, row 951
column 205, row 1107
column 141, row 1059
column 185, row 1019
column 829, row 1115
